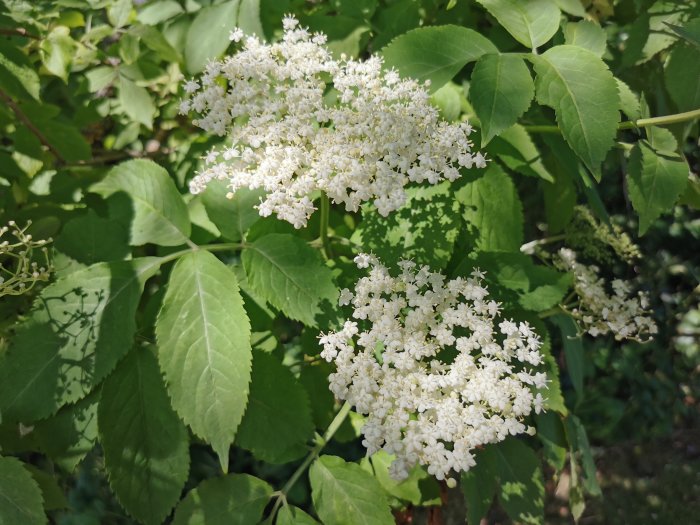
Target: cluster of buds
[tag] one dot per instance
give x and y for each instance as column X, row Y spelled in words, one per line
column 19, row 269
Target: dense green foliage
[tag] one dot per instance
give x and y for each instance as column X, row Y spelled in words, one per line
column 169, row 371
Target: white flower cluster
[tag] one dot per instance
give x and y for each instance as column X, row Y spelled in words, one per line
column 432, row 371
column 18, row 271
column 625, row 316
column 300, row 121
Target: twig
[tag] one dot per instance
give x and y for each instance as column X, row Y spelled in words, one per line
column 18, row 31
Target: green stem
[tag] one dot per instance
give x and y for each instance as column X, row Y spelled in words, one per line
column 210, row 248
column 631, row 124
column 529, row 246
column 318, row 447
column 325, row 216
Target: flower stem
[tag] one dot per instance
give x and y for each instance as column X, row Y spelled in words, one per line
column 529, row 246
column 325, row 216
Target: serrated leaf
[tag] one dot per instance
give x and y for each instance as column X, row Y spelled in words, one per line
column 521, row 490
column 586, row 34
column 235, row 499
column 290, row 275
column 655, row 180
column 277, row 422
column 207, row 36
column 573, row 351
column 492, row 208
column 90, row 239
column 682, row 76
column 158, row 213
column 424, row 229
column 136, row 102
column 515, row 148
column 629, row 102
column 550, row 431
column 57, row 52
column 501, row 91
column 145, row 444
column 232, row 216
column 18, row 75
column 203, row 336
column 479, row 484
column 290, row 515
column 344, row 494
column 435, row 53
column 79, row 328
column 531, row 23
column 690, row 31
column 20, row 497
column 51, row 492
column 583, row 93
column 578, row 440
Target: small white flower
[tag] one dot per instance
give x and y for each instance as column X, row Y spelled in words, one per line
column 236, row 35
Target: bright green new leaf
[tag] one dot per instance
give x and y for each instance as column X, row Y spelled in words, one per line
column 145, row 444
column 136, row 101
column 655, row 180
column 515, row 148
column 58, row 50
column 344, row 494
column 583, row 93
column 586, row 34
column 290, row 515
column 290, row 275
column 501, row 91
column 479, row 484
column 277, row 423
column 231, row 216
column 119, row 12
column 572, row 7
column 20, row 497
column 682, row 76
column 521, row 488
column 159, row 11
column 207, row 37
column 493, row 209
column 532, row 23
column 235, row 499
column 203, row 336
column 419, row 488
column 154, row 208
column 435, row 53
column 78, row 330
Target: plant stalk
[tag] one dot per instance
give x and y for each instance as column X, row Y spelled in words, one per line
column 325, row 217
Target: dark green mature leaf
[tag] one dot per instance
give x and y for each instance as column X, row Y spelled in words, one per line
column 492, row 207
column 204, row 348
column 531, row 23
column 550, row 432
column 682, row 76
column 435, row 53
column 424, row 229
column 80, row 327
column 559, row 198
column 501, row 91
column 277, row 423
column 578, row 440
column 20, row 498
column 17, row 75
column 235, row 499
column 144, row 442
column 690, row 31
column 479, row 484
column 232, row 216
column 521, row 489
column 290, row 515
column 207, row 37
column 137, row 103
column 655, row 180
column 290, row 275
column 629, row 101
column 158, row 213
column 90, row 239
column 573, row 350
column 344, row 494
column 586, row 34
column 583, row 93
column 515, row 148
column 51, row 492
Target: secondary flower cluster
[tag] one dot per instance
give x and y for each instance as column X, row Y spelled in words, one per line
column 300, row 121
column 18, row 271
column 625, row 316
column 433, row 371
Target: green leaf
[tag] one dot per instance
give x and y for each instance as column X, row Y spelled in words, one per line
column 690, row 31
column 492, row 207
column 90, row 239
column 448, row 99
column 419, row 488
column 277, row 423
column 344, row 494
column 232, row 216
column 290, row 515
column 20, row 498
column 203, row 336
column 249, row 18
column 655, row 181
column 501, row 91
column 531, row 23
column 158, row 213
column 550, row 431
column 58, row 50
column 51, row 492
column 207, row 37
column 578, row 440
column 479, row 484
column 583, row 93
column 435, row 53
column 159, row 11
column 424, row 229
column 119, row 12
column 235, row 499
column 682, row 67
column 629, row 102
column 572, row 7
column 290, row 275
column 559, row 199
column 586, row 34
column 515, row 148
column 573, row 351
column 136, row 101
column 18, row 76
column 521, row 489
column 78, row 330
column 145, row 445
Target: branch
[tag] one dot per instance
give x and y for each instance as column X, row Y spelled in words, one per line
column 17, row 31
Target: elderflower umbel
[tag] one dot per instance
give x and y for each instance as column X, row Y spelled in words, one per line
column 625, row 316
column 18, row 271
column 299, row 121
column 432, row 368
